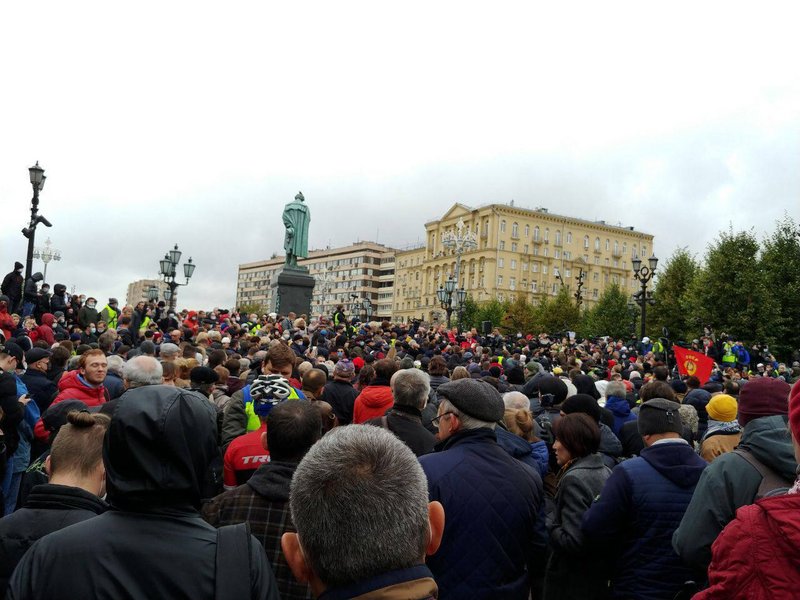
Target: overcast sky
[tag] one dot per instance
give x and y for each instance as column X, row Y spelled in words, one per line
column 195, row 122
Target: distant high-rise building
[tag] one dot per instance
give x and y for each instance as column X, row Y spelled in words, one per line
column 345, row 275
column 138, row 290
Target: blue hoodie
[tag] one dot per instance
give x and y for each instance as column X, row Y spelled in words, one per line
column 621, row 409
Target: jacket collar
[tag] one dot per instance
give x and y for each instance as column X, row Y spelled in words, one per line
column 272, row 480
column 64, row 497
column 413, row 582
column 480, row 435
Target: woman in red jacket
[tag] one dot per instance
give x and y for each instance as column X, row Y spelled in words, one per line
column 375, row 399
column 757, row 556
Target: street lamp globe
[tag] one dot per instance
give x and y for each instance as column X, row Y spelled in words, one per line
column 636, row 263
column 175, row 255
column 653, row 262
column 188, row 268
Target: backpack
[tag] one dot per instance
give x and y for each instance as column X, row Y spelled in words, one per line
column 234, row 553
column 772, row 484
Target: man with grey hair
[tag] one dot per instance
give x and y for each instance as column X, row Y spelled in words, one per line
column 168, row 352
column 492, row 545
column 410, row 389
column 343, row 556
column 138, row 372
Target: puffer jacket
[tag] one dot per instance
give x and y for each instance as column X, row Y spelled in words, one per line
column 45, row 330
column 757, row 556
column 156, row 451
column 638, row 510
column 621, row 410
column 72, row 386
column 373, row 401
column 492, row 503
column 730, row 482
column 47, row 508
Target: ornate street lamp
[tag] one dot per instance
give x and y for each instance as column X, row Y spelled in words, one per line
column 451, row 299
column 46, row 254
column 152, row 293
column 460, row 240
column 168, row 269
column 644, row 274
column 37, row 178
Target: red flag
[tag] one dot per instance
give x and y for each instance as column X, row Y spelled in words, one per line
column 693, row 363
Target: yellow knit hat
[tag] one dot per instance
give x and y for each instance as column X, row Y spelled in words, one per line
column 722, row 407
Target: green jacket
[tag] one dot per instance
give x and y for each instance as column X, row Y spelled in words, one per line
column 729, row 483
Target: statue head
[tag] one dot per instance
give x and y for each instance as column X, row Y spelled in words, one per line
column 300, row 196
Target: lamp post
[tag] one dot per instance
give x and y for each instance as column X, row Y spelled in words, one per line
column 37, row 177
column 644, row 274
column 460, row 240
column 580, row 278
column 632, row 313
column 152, row 293
column 168, row 271
column 46, row 254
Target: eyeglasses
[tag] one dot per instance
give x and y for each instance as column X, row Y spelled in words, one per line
column 435, row 420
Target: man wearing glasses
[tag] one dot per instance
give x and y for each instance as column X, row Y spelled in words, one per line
column 492, row 500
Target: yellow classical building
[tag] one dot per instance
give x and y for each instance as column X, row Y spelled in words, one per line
column 518, row 251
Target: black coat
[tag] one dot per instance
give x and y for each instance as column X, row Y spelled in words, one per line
column 13, row 411
column 153, row 543
column 405, row 422
column 342, row 397
column 48, row 508
column 40, row 388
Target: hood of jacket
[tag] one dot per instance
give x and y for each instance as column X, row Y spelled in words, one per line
column 780, row 515
column 769, row 440
column 158, row 448
column 618, row 406
column 609, row 443
column 48, row 319
column 512, row 443
column 376, row 396
column 676, row 461
column 71, row 381
column 59, row 289
column 585, row 385
column 37, row 276
column 271, row 480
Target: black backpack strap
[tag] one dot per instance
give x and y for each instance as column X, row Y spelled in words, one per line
column 233, row 562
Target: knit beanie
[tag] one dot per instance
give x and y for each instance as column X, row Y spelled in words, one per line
column 722, row 407
column 763, row 397
column 659, row 415
column 794, row 410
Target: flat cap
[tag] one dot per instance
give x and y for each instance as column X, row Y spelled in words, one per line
column 477, row 399
column 36, row 354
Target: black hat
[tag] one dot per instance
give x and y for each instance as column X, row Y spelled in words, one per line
column 37, row 354
column 659, row 416
column 582, row 403
column 15, row 350
column 56, row 414
column 475, row 398
column 551, row 384
column 18, row 266
column 203, row 375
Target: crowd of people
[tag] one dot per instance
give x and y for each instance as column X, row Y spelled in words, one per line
column 151, row 453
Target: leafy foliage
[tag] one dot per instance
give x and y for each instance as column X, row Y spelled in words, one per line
column 780, row 266
column 671, row 309
column 609, row 316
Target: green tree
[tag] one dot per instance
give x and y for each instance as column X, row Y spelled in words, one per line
column 671, row 308
column 493, row 310
column 252, row 307
column 609, row 316
column 520, row 316
column 469, row 317
column 729, row 292
column 780, row 265
column 558, row 314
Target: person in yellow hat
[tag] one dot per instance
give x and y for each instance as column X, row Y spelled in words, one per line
column 723, row 433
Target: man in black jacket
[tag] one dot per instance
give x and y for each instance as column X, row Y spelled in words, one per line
column 40, row 388
column 12, row 287
column 340, row 393
column 77, row 480
column 154, row 544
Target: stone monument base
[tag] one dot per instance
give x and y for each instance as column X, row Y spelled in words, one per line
column 292, row 291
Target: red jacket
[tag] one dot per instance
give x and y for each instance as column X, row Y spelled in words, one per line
column 45, row 330
column 6, row 324
column 71, row 387
column 373, row 401
column 757, row 556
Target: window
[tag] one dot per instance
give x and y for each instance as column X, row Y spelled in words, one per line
column 558, row 238
column 616, row 247
column 644, row 251
column 513, row 246
column 606, row 262
column 501, row 263
column 515, row 229
column 633, row 251
column 567, row 255
column 586, row 242
column 608, row 244
column 499, row 280
column 597, row 243
column 536, row 234
column 569, row 237
column 536, row 250
column 535, row 267
column 513, row 265
column 512, row 283
column 594, row 293
column 545, row 251
column 554, row 289
column 567, row 273
column 524, row 266
column 544, row 269
column 525, row 248
column 616, row 264
column 546, row 234
column 502, row 245
column 534, row 286
column 500, row 297
column 557, row 253
column 502, row 226
column 527, row 231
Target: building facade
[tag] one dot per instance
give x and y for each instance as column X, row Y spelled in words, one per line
column 138, row 290
column 346, row 275
column 519, row 251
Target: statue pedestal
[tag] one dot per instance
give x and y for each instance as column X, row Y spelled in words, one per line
column 292, row 291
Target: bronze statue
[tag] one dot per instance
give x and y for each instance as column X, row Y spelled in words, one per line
column 296, row 218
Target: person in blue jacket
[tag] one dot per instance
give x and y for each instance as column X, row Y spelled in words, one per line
column 491, row 546
column 642, row 504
